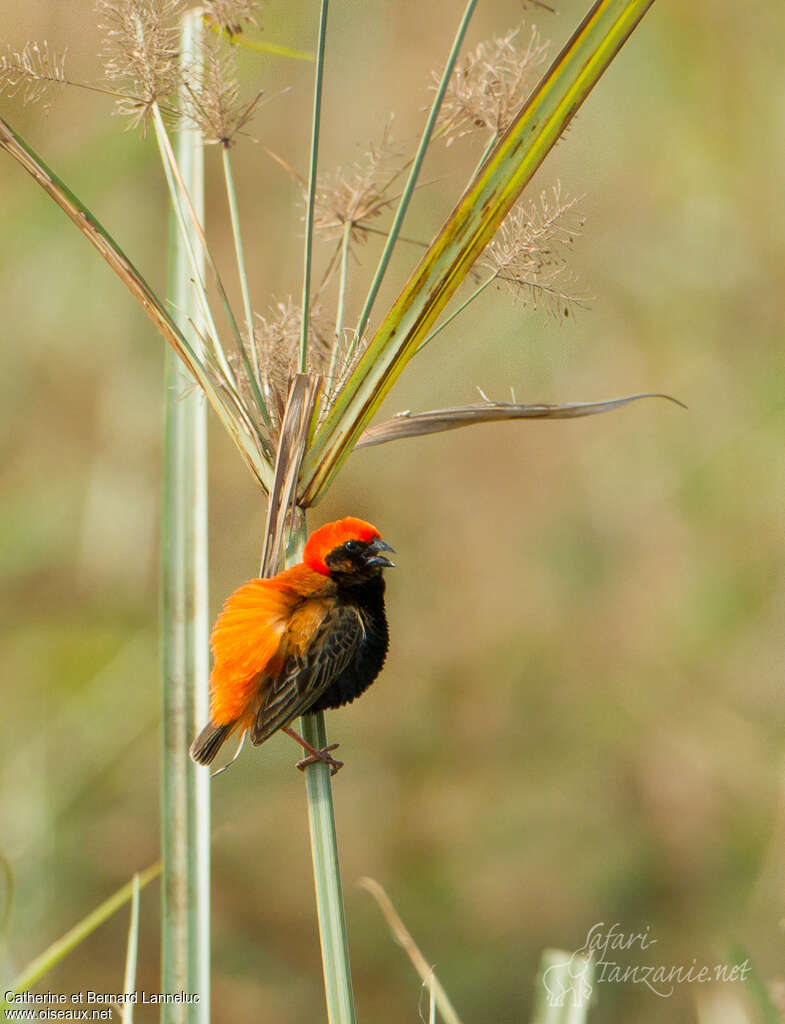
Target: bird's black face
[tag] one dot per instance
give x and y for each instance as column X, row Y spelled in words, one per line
column 358, row 560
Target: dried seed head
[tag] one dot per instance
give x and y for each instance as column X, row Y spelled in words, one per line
column 358, row 194
column 277, row 340
column 33, row 71
column 140, row 51
column 230, row 15
column 489, row 87
column 214, row 103
column 530, row 252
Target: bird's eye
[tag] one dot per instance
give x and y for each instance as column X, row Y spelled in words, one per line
column 351, row 545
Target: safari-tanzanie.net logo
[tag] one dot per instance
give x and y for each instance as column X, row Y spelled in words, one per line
column 612, row 956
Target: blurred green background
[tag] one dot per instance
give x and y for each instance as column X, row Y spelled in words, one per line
column 581, row 718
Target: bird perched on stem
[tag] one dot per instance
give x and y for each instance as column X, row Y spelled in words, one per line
column 313, row 637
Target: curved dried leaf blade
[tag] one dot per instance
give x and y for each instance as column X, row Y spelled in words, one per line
column 438, row 420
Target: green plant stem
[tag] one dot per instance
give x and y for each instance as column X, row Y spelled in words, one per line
column 486, row 153
column 327, row 879
column 181, row 200
column 312, row 170
column 185, row 792
column 477, row 292
column 234, row 216
column 253, row 368
column 345, row 237
column 324, row 852
column 414, row 174
column 188, row 243
column 59, row 949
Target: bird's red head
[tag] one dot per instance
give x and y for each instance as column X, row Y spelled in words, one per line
column 331, row 536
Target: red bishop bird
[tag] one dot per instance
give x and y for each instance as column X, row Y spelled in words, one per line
column 313, row 637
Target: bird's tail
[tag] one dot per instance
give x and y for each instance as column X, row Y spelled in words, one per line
column 209, row 741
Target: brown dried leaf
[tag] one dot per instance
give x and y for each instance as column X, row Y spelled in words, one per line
column 295, row 427
column 437, row 420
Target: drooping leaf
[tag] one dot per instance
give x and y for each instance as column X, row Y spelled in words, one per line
column 437, row 420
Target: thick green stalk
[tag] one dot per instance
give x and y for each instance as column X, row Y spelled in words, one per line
column 327, row 879
column 185, row 794
column 317, row 116
column 483, row 206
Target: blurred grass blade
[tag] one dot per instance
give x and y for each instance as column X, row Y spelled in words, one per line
column 295, row 427
column 761, row 993
column 437, row 420
column 260, row 45
column 564, row 987
column 483, row 206
column 8, row 895
column 404, row 939
column 132, row 954
column 16, row 147
column 327, row 876
column 51, row 956
column 185, row 786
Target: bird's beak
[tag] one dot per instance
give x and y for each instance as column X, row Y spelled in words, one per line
column 374, row 549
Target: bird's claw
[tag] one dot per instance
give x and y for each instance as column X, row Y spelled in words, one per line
column 322, row 756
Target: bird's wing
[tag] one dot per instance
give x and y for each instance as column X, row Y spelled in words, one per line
column 330, row 641
column 245, row 638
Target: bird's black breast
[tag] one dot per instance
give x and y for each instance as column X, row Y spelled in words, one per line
column 371, row 650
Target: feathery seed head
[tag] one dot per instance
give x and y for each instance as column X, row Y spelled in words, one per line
column 489, row 87
column 33, row 70
column 530, row 252
column 140, row 51
column 357, row 194
column 214, row 103
column 277, row 340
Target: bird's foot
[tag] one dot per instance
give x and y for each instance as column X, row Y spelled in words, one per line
column 315, row 756
column 322, row 756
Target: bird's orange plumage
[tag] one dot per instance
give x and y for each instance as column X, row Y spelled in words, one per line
column 267, row 625
column 248, row 636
